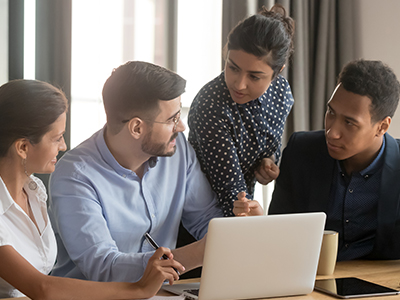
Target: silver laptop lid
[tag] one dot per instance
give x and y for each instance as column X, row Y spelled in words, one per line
column 265, row 256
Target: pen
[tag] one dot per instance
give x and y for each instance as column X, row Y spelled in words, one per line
column 155, row 246
column 153, row 243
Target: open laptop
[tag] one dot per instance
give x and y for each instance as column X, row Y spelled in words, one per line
column 258, row 257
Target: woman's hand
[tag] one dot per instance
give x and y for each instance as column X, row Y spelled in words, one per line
column 267, row 171
column 246, row 207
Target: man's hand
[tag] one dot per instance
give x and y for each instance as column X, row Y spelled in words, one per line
column 246, row 207
column 267, row 171
column 158, row 270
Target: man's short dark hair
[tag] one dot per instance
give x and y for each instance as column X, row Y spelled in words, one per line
column 134, row 89
column 375, row 80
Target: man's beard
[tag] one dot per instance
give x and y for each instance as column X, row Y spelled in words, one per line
column 157, row 149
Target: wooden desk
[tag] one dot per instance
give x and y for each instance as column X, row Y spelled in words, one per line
column 386, row 272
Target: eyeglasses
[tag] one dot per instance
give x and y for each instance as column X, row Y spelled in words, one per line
column 173, row 120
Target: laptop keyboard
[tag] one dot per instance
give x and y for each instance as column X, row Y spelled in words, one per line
column 192, row 291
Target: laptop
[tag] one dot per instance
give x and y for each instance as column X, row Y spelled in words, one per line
column 258, row 257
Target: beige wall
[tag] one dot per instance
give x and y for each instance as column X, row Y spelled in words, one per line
column 379, row 38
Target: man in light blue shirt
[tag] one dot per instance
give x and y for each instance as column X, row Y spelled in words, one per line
column 138, row 174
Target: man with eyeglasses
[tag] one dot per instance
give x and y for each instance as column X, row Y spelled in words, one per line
column 137, row 175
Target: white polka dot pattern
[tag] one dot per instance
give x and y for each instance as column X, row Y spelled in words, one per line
column 231, row 139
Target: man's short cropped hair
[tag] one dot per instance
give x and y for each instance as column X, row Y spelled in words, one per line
column 375, row 80
column 134, row 89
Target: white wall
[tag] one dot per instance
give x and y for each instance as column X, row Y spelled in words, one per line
column 379, row 38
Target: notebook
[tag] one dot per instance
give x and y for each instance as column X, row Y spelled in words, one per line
column 258, row 257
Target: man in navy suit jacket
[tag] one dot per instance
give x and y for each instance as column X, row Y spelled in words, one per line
column 350, row 170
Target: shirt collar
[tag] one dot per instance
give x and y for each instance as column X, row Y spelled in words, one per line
column 6, row 201
column 374, row 166
column 377, row 163
column 110, row 159
column 40, row 193
column 263, row 97
column 153, row 161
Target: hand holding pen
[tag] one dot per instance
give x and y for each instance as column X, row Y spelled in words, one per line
column 158, row 271
column 155, row 246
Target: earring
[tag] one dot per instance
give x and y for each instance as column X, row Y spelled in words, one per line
column 32, row 184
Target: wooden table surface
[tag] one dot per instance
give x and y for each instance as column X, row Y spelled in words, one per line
column 385, row 272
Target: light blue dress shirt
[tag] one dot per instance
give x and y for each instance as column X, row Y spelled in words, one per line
column 100, row 210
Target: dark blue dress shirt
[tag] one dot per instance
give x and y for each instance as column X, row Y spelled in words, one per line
column 353, row 205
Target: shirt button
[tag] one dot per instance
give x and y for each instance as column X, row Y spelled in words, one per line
column 347, row 221
column 350, row 190
column 153, row 216
column 366, row 176
column 124, row 175
column 347, row 245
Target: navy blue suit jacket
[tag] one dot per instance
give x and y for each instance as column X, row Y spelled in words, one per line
column 305, row 179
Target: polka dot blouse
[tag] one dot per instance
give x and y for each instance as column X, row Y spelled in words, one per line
column 231, row 139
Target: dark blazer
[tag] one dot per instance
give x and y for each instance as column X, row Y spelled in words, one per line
column 305, row 179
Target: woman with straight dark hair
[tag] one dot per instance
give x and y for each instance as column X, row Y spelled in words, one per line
column 32, row 124
column 237, row 119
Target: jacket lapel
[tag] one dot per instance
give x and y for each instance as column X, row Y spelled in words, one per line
column 321, row 178
column 389, row 201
